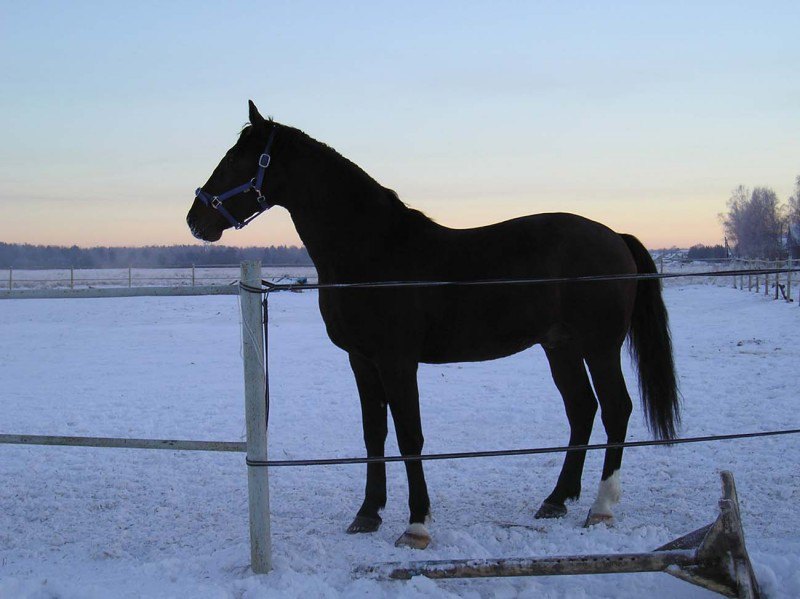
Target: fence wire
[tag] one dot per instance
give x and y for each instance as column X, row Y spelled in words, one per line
column 269, row 287
column 515, row 452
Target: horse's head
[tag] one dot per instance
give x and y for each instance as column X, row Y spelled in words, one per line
column 240, row 187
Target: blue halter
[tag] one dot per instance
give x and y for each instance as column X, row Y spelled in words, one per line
column 254, row 184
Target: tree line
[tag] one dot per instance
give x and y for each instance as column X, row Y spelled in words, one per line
column 18, row 255
column 707, row 252
column 758, row 225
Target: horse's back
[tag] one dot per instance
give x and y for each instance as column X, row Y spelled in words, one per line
column 484, row 322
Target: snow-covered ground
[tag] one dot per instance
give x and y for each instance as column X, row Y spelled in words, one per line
column 79, row 522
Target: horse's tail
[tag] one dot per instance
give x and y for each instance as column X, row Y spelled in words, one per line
column 651, row 348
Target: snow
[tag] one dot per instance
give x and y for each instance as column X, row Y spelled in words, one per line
column 83, row 522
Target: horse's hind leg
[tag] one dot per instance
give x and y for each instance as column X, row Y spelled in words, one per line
column 569, row 375
column 373, row 418
column 615, row 406
column 400, row 385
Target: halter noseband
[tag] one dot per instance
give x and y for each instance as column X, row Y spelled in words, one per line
column 254, row 184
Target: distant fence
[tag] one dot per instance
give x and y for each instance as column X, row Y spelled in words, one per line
column 776, row 285
column 135, row 281
column 222, row 279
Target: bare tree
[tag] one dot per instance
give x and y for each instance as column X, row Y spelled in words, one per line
column 793, row 221
column 793, row 212
column 755, row 222
column 734, row 221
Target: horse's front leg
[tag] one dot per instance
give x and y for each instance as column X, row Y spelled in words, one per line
column 373, row 418
column 400, row 386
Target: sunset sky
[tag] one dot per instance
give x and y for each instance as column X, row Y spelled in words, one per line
column 641, row 115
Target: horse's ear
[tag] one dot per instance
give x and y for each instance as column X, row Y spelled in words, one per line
column 255, row 117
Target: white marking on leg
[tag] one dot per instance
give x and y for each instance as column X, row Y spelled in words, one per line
column 607, row 495
column 418, row 529
column 416, row 536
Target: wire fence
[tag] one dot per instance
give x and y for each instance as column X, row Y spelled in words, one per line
column 241, row 447
column 269, row 286
column 754, row 275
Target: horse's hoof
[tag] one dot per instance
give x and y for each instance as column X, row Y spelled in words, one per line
column 364, row 524
column 593, row 519
column 416, row 536
column 551, row 510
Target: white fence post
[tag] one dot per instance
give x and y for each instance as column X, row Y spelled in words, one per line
column 255, row 385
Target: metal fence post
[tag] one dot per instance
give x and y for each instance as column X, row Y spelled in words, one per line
column 255, row 389
column 72, row 277
column 10, row 278
column 789, row 281
column 130, row 278
column 192, row 275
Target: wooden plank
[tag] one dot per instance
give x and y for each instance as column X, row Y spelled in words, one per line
column 566, row 565
column 119, row 292
column 123, row 443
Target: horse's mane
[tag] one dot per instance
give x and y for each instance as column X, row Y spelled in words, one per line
column 389, row 195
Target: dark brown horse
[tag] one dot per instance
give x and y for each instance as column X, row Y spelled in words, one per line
column 358, row 231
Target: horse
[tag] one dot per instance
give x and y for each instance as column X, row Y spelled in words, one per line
column 358, row 231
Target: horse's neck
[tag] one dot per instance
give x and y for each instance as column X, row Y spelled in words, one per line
column 344, row 219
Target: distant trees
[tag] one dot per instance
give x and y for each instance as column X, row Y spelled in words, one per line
column 49, row 256
column 755, row 223
column 707, row 252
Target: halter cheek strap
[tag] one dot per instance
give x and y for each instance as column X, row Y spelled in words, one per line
column 217, row 201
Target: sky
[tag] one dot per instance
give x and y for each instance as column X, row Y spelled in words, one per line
column 643, row 116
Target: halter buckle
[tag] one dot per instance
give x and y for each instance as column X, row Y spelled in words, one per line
column 215, row 203
column 263, row 160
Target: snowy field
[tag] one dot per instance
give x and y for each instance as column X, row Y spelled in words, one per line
column 99, row 523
